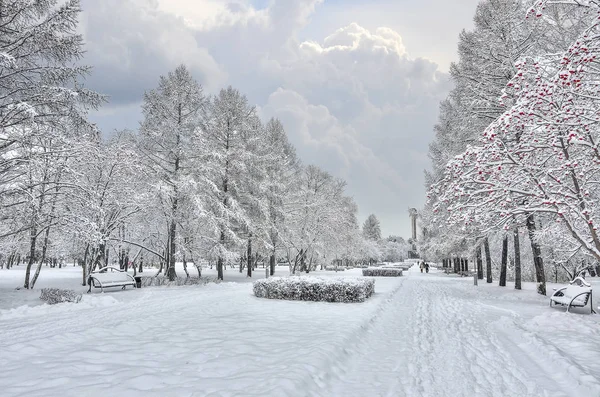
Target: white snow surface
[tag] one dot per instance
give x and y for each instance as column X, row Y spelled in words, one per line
column 419, row 335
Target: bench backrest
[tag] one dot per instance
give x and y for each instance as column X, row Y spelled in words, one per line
column 573, row 290
column 108, row 276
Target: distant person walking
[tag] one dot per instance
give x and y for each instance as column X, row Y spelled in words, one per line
column 421, row 266
column 426, row 267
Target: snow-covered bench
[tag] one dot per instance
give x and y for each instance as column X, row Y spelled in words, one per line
column 578, row 293
column 103, row 278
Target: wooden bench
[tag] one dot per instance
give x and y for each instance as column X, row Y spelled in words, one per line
column 103, row 278
column 576, row 294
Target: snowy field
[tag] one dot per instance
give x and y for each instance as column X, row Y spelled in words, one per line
column 419, row 335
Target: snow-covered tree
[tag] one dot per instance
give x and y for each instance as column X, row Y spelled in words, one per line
column 169, row 139
column 230, row 139
column 371, row 228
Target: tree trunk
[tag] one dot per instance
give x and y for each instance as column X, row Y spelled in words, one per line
column 172, row 235
column 272, row 264
column 220, row 268
column 479, row 263
column 220, row 259
column 44, row 250
column 538, row 262
column 502, row 282
column 517, row 246
column 249, row 257
column 187, row 274
column 303, row 260
column 488, row 260
column 141, row 268
column 32, row 241
column 85, row 264
column 198, row 268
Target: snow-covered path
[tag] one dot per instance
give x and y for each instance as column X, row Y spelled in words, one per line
column 436, row 338
column 419, row 335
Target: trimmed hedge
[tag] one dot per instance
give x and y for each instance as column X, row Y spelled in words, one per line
column 382, row 272
column 404, row 267
column 54, row 295
column 315, row 289
column 158, row 281
column 332, row 268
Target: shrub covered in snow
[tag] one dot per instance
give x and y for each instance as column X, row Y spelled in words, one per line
column 55, row 295
column 148, row 281
column 403, row 266
column 333, row 268
column 382, row 272
column 315, row 289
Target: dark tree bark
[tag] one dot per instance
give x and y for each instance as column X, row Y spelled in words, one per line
column 187, row 274
column 538, row 262
column 32, row 242
column 172, row 247
column 44, row 251
column 502, row 282
column 85, row 264
column 272, row 264
column 249, row 254
column 479, row 263
column 488, row 260
column 517, row 246
column 220, row 259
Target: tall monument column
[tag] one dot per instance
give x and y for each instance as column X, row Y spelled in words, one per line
column 413, row 213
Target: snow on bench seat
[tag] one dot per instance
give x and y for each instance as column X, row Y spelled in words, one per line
column 110, row 277
column 577, row 294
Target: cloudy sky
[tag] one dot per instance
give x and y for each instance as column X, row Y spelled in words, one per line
column 356, row 83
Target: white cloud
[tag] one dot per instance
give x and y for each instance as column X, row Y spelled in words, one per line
column 353, row 100
column 131, row 42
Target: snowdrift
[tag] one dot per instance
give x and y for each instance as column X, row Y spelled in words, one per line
column 315, row 289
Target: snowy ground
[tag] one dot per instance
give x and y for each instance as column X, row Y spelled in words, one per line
column 419, row 335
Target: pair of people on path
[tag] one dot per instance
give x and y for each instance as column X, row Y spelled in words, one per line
column 425, row 266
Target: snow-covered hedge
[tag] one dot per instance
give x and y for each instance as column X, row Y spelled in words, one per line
column 315, row 289
column 333, row 268
column 55, row 295
column 156, row 281
column 382, row 272
column 403, row 266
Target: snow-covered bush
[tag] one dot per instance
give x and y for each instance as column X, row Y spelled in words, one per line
column 333, row 268
column 55, row 295
column 382, row 272
column 402, row 266
column 315, row 289
column 148, row 281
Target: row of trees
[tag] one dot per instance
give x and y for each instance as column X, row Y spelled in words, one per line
column 377, row 249
column 516, row 146
column 203, row 179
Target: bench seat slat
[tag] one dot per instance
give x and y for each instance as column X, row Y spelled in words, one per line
column 572, row 295
column 103, row 278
